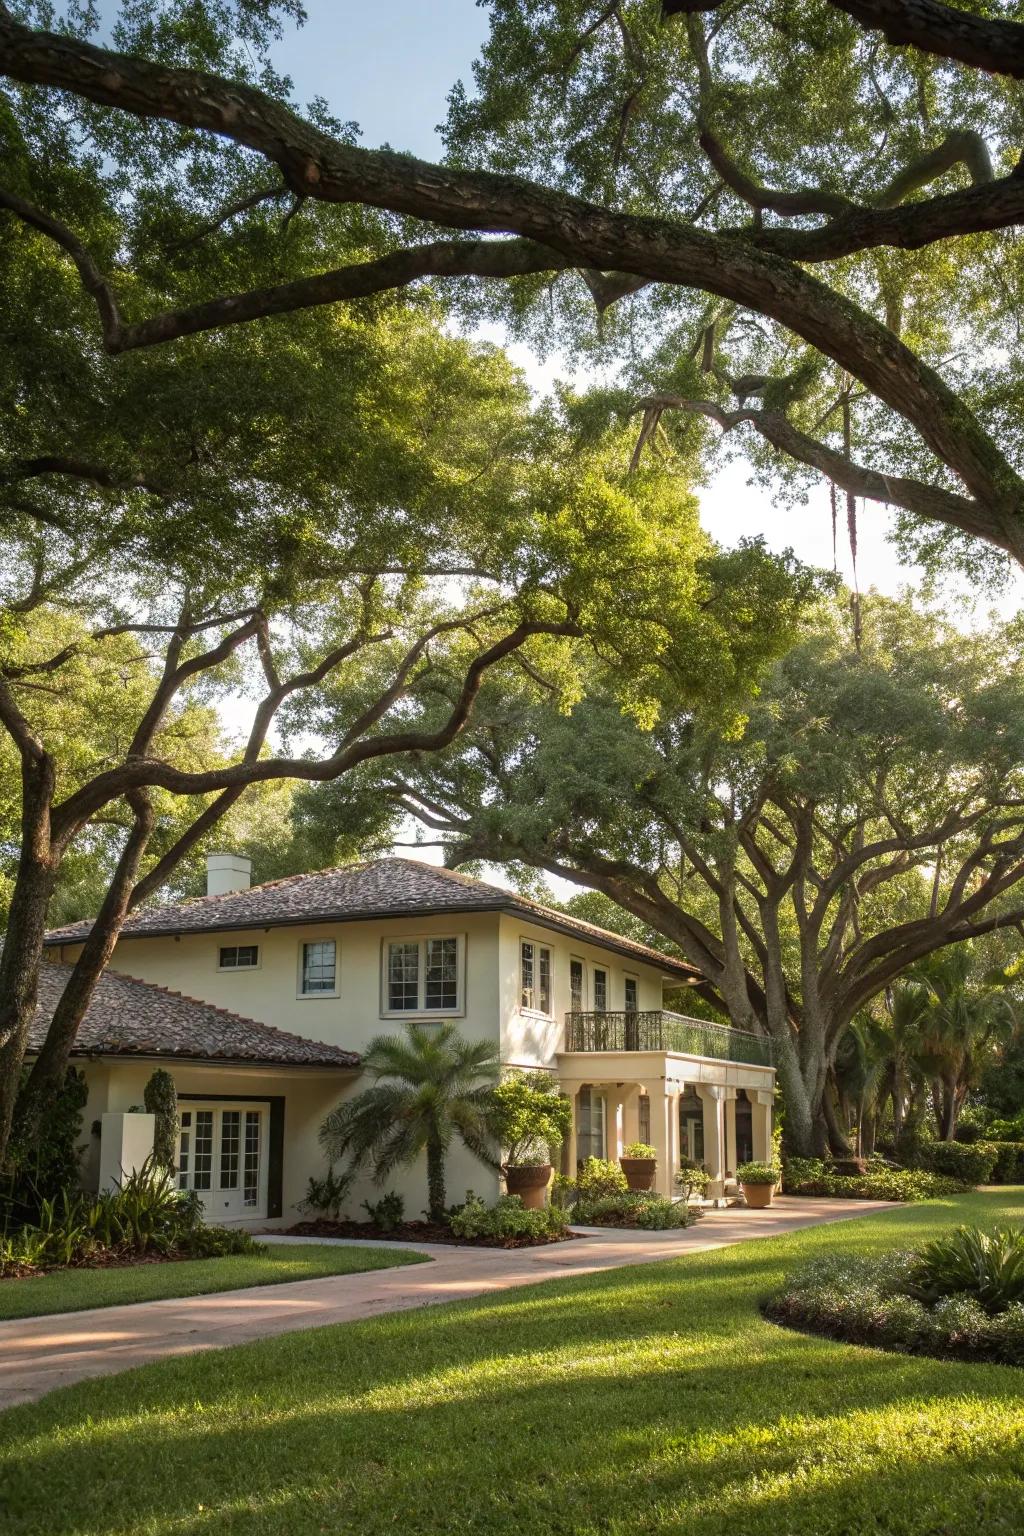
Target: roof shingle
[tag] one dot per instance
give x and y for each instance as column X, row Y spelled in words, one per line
column 377, row 889
column 135, row 1018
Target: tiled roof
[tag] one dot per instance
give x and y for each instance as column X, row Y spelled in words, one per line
column 135, row 1018
column 381, row 888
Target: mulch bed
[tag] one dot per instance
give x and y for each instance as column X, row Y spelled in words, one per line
column 417, row 1232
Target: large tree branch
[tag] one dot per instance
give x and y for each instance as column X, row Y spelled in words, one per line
column 915, row 496
column 992, row 44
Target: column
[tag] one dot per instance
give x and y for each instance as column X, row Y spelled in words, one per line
column 712, row 1098
column 661, row 1135
column 615, row 1128
column 630, row 1114
column 761, row 1122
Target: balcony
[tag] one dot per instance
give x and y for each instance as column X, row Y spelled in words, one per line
column 659, row 1030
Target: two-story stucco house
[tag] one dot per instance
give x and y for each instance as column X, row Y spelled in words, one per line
column 259, row 1000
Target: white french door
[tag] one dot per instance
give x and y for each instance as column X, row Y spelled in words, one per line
column 222, row 1155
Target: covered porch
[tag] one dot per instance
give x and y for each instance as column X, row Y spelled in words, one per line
column 686, row 1087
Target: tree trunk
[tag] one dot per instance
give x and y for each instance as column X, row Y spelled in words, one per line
column 801, row 1119
column 838, row 1141
column 436, row 1194
column 47, row 1074
column 26, row 926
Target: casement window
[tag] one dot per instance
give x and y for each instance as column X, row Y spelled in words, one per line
column 239, row 957
column 318, row 974
column 423, row 976
column 577, row 997
column 600, row 991
column 631, row 995
column 534, row 977
column 221, row 1155
column 591, row 1116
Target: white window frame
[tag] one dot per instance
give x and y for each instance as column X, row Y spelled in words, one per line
column 627, row 978
column 601, row 970
column 317, row 938
column 239, row 970
column 539, row 949
column 421, row 1012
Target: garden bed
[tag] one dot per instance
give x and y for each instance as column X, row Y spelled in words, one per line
column 417, row 1232
column 104, row 1258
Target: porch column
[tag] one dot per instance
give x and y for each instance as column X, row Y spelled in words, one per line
column 661, row 1134
column 615, row 1127
column 630, row 1114
column 712, row 1098
column 730, row 1131
column 761, row 1122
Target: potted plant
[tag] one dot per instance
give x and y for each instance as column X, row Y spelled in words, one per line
column 639, row 1163
column 693, row 1180
column 758, row 1181
column 530, row 1119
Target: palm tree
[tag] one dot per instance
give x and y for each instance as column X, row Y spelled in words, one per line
column 432, row 1086
column 966, row 1016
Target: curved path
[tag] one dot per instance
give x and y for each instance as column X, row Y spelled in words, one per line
column 39, row 1354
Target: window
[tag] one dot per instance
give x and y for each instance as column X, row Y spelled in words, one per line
column 184, row 1143
column 422, row 976
column 319, row 967
column 204, row 1149
column 631, row 994
column 643, row 1117
column 576, row 986
column 590, row 1124
column 239, row 957
column 535, row 977
column 600, row 991
column 229, row 1134
column 251, row 1169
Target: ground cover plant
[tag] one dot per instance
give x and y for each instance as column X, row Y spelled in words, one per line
column 78, row 1290
column 652, row 1399
column 960, row 1296
column 814, row 1176
column 504, row 1224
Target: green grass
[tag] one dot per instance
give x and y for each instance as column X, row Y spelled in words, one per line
column 79, row 1290
column 641, row 1401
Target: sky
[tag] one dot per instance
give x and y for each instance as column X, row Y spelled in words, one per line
column 389, row 68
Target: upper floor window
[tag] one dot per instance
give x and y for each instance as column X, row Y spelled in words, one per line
column 600, row 991
column 535, row 976
column 631, row 995
column 239, row 957
column 319, row 967
column 422, row 976
column 576, row 998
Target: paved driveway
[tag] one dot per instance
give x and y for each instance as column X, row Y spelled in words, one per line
column 39, row 1354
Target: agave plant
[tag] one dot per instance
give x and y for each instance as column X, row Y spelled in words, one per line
column 986, row 1265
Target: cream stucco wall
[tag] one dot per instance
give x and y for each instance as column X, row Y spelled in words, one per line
column 533, row 1040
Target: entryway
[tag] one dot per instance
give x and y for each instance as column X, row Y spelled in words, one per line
column 222, row 1155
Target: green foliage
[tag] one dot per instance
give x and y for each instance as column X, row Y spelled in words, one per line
column 219, row 1242
column 1007, row 1130
column 757, row 1173
column 813, row 1177
column 161, row 1099
column 598, row 1178
column 693, row 1182
column 432, row 1087
column 878, row 1301
column 640, row 1149
column 388, row 1212
column 326, row 1196
column 530, row 1118
column 988, row 1266
column 47, row 1166
column 1009, row 1163
column 968, row 1164
column 633, row 1208
column 506, row 1219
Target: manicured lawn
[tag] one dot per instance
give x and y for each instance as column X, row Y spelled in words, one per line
column 78, row 1290
column 650, row 1400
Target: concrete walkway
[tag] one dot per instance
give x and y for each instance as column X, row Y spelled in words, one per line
column 39, row 1354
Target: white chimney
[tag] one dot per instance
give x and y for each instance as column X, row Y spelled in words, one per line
column 227, row 872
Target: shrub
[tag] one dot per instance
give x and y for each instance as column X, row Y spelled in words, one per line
column 219, row 1242
column 757, row 1173
column 1006, row 1130
column 987, row 1266
column 1009, row 1163
column 640, row 1149
column 971, row 1164
column 530, row 1118
column 869, row 1301
column 902, row 1184
column 161, row 1100
column 801, row 1170
column 598, row 1178
column 326, row 1196
column 388, row 1212
column 633, row 1209
column 693, row 1182
column 506, row 1218
column 45, row 1167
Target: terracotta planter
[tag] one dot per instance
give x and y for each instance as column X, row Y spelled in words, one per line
column 758, row 1196
column 639, row 1171
column 529, row 1181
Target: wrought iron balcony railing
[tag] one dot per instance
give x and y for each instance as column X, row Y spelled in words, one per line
column 659, row 1030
